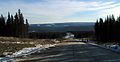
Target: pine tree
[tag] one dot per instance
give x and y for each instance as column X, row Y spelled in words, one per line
column 109, row 30
column 97, row 29
column 27, row 27
column 101, row 29
column 2, row 25
column 12, row 25
column 15, row 24
column 21, row 24
column 8, row 25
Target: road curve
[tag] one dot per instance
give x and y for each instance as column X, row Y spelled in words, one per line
column 74, row 52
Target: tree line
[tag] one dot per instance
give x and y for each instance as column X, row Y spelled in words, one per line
column 14, row 26
column 54, row 35
column 108, row 29
column 47, row 35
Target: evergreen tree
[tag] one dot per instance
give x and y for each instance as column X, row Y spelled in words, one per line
column 27, row 26
column 14, row 26
column 108, row 30
column 8, row 25
column 97, row 29
column 2, row 26
column 22, row 27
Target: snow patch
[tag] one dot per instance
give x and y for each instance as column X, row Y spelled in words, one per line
column 26, row 51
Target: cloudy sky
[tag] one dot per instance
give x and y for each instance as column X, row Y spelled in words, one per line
column 59, row 11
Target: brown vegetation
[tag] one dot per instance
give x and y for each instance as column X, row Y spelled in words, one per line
column 13, row 44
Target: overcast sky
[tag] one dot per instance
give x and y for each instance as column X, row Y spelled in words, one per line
column 59, row 11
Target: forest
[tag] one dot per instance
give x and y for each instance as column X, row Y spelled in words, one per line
column 14, row 26
column 108, row 29
column 56, row 35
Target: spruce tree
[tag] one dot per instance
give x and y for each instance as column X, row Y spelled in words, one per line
column 14, row 26
column 2, row 25
column 8, row 25
column 26, row 28
column 97, row 29
column 108, row 30
column 21, row 24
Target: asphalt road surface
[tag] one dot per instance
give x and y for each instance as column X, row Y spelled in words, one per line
column 74, row 52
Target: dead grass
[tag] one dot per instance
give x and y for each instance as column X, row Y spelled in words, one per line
column 12, row 47
column 13, row 44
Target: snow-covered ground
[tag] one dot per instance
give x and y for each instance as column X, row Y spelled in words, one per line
column 26, row 51
column 112, row 47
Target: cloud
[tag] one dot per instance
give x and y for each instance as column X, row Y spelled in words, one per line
column 49, row 11
column 115, row 11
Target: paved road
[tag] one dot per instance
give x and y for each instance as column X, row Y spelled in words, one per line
column 75, row 52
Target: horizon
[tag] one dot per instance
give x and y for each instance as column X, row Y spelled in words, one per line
column 60, row 11
column 62, row 22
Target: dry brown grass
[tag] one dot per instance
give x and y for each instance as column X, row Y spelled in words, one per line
column 12, row 44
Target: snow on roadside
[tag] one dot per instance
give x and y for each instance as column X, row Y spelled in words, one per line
column 25, row 52
column 30, row 50
column 112, row 47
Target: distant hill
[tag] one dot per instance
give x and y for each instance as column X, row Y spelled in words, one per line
column 62, row 27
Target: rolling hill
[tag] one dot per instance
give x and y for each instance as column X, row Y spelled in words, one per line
column 62, row 27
